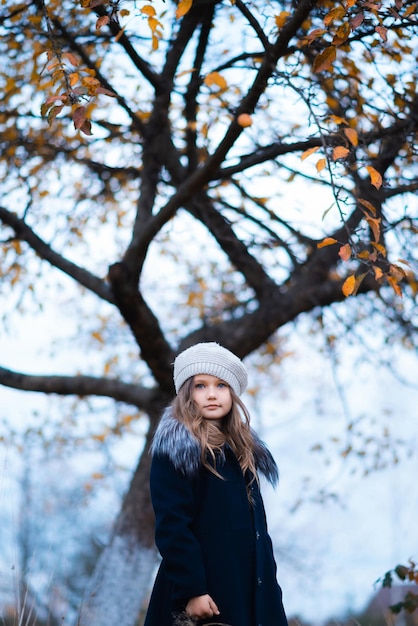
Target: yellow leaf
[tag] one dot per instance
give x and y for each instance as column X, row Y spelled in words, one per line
column 148, row 10
column 342, row 34
column 325, row 59
column 308, row 152
column 17, row 246
column 340, row 152
column 281, row 19
column 89, row 81
column 101, row 437
column 334, row 14
column 183, row 7
column 321, row 165
column 345, row 252
column 73, row 78
column 375, row 176
column 379, row 247
column 96, row 335
column 377, row 272
column 349, row 285
column 352, row 136
column 353, row 285
column 411, row 9
column 153, row 23
column 337, row 119
column 328, row 241
column 214, row 78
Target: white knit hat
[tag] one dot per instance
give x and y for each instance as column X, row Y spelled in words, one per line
column 210, row 358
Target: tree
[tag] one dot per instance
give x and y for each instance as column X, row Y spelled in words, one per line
column 124, row 125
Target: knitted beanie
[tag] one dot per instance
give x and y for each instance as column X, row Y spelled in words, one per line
column 210, row 358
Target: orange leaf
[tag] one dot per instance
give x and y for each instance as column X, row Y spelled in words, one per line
column 148, row 10
column 328, row 241
column 325, row 59
column 374, row 224
column 345, row 252
column 102, row 21
column 315, row 34
column 72, row 58
column 340, row 152
column 352, row 136
column 383, row 32
column 183, row 7
column 375, row 176
column 368, row 205
column 281, row 19
column 320, row 165
column 349, row 285
column 308, row 152
column 394, row 284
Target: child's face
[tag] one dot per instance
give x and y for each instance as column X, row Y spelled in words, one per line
column 212, row 396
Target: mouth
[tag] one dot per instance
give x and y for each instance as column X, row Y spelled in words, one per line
column 212, row 406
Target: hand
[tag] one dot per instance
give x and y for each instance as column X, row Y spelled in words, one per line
column 201, row 607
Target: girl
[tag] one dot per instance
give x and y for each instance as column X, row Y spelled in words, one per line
column 217, row 559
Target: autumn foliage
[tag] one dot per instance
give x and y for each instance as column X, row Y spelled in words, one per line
column 279, row 136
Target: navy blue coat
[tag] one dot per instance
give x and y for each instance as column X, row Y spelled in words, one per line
column 210, row 538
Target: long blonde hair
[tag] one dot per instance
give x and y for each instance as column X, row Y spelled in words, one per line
column 235, row 430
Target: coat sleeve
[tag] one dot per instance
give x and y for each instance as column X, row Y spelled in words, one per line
column 173, row 499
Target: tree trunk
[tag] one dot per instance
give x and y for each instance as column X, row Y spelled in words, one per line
column 123, row 574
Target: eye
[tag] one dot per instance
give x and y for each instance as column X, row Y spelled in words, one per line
column 199, row 386
column 222, row 385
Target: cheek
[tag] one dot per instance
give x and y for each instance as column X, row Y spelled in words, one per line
column 228, row 399
column 197, row 397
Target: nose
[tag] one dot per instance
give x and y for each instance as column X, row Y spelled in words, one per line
column 211, row 391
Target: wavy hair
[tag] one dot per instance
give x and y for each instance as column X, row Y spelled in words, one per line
column 235, row 430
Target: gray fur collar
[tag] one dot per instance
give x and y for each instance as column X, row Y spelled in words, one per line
column 173, row 439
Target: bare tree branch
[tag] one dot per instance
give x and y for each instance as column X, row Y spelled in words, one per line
column 141, row 397
column 80, row 275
